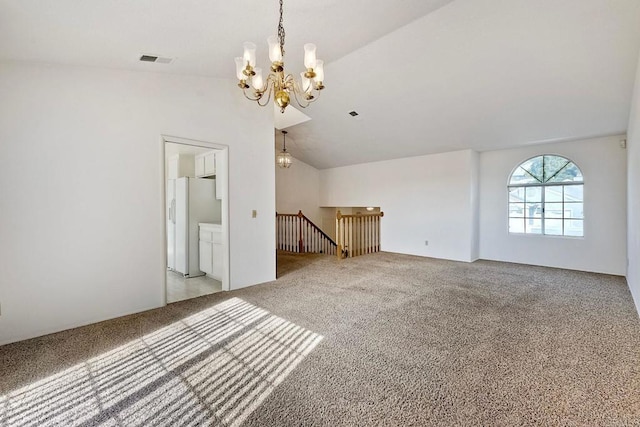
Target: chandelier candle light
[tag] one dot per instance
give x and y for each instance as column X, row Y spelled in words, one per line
column 278, row 83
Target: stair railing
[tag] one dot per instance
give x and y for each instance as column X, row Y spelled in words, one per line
column 297, row 233
column 357, row 234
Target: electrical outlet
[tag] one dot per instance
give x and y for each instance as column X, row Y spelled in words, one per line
column 426, row 243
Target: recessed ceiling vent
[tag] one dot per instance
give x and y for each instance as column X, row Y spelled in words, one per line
column 157, row 59
column 353, row 113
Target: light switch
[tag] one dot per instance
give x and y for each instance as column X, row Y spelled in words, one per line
column 254, row 213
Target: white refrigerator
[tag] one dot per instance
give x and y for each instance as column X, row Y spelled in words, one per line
column 194, row 201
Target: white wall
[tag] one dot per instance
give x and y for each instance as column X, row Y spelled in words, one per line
column 603, row 164
column 633, row 195
column 474, row 189
column 81, row 203
column 423, row 198
column 297, row 189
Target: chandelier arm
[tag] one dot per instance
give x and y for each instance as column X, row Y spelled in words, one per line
column 267, row 99
column 300, row 104
column 289, row 79
column 313, row 95
column 297, row 90
column 316, row 95
column 269, row 87
column 255, row 98
column 272, row 80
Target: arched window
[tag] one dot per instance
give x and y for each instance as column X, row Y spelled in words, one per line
column 546, row 197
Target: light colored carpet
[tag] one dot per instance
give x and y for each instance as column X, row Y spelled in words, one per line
column 382, row 339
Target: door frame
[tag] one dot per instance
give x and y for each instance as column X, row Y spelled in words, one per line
column 224, row 149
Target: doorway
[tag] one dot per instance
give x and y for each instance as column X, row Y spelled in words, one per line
column 196, row 244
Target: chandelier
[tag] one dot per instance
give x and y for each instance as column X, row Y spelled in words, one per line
column 279, row 84
column 284, row 159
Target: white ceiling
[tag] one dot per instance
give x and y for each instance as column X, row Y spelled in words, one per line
column 203, row 35
column 426, row 76
column 290, row 117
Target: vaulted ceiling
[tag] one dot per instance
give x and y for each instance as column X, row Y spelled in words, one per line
column 425, row 76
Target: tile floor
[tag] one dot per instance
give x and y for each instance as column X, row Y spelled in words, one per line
column 179, row 288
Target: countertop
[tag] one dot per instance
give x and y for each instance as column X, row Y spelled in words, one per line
column 210, row 226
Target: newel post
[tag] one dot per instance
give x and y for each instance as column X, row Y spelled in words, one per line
column 338, row 235
column 300, row 239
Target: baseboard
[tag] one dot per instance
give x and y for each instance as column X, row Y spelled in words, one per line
column 634, row 297
column 66, row 327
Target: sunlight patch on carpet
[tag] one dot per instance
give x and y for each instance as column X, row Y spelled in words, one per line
column 214, row 367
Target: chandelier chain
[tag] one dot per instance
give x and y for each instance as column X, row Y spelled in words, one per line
column 281, row 31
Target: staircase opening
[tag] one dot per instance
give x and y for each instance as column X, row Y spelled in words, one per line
column 357, row 232
column 297, row 233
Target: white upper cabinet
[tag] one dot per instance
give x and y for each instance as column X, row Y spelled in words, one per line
column 213, row 163
column 199, row 165
column 210, row 163
column 206, row 164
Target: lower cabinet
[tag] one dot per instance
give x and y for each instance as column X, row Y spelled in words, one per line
column 211, row 250
column 206, row 256
column 216, row 255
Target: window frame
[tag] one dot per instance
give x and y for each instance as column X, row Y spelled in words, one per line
column 542, row 186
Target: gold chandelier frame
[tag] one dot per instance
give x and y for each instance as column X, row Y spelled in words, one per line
column 279, row 84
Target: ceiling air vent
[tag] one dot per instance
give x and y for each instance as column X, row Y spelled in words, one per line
column 157, row 59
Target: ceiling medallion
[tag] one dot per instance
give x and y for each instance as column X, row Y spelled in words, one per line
column 283, row 87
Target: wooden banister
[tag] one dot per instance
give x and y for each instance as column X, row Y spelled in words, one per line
column 297, row 233
column 357, row 234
